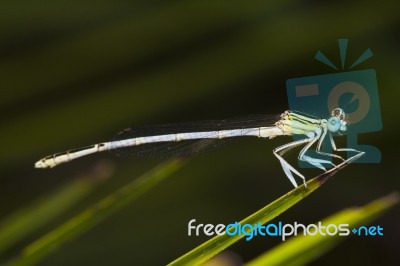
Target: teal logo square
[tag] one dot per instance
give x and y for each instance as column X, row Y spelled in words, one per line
column 356, row 92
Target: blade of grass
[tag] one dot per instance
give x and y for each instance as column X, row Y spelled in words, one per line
column 217, row 244
column 88, row 218
column 21, row 223
column 304, row 249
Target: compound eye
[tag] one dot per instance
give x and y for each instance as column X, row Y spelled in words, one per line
column 338, row 113
column 334, row 124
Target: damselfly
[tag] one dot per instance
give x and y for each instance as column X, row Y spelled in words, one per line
column 181, row 140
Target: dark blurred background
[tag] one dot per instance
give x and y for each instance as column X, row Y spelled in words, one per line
column 74, row 73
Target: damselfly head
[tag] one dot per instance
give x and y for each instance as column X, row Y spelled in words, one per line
column 337, row 121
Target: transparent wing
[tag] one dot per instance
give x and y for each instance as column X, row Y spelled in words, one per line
column 185, row 148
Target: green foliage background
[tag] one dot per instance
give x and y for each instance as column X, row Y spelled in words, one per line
column 73, row 73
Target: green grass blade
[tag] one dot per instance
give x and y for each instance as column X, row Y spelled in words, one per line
column 90, row 217
column 21, row 223
column 303, row 249
column 217, row 244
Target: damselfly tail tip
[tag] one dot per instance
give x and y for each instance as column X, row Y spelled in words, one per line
column 42, row 163
column 39, row 164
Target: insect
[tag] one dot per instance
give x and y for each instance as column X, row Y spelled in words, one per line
column 181, row 140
